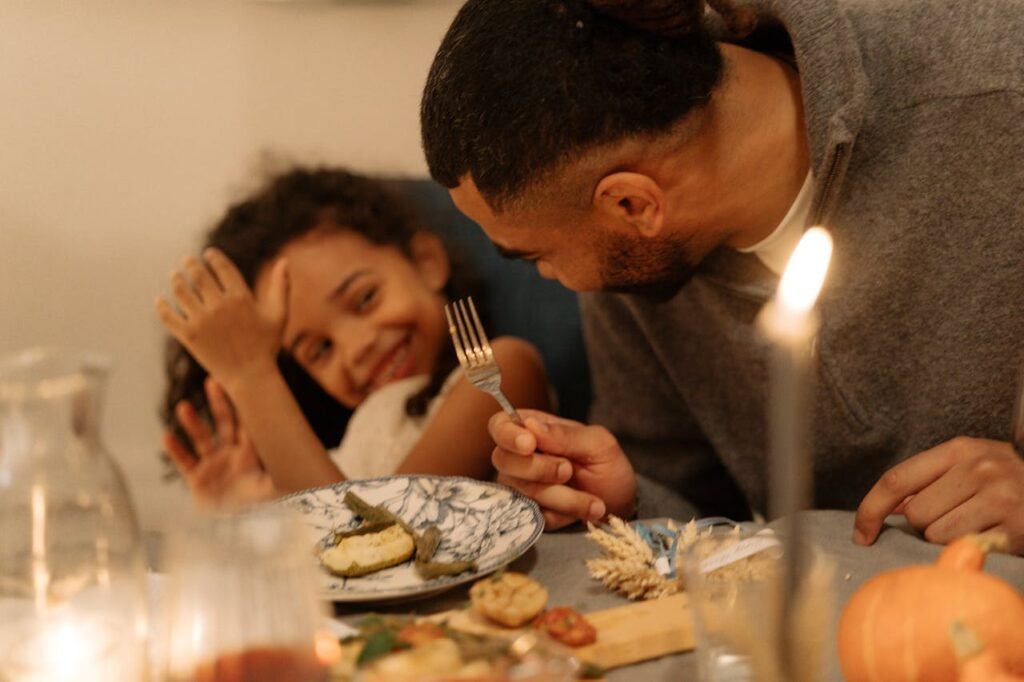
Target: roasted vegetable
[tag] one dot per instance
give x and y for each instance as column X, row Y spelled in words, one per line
column 376, row 518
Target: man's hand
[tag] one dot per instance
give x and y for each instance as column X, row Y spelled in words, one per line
column 965, row 485
column 219, row 320
column 573, row 471
column 225, row 472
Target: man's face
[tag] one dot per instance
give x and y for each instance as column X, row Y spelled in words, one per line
column 583, row 252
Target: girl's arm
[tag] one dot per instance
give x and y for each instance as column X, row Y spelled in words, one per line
column 236, row 338
column 289, row 449
column 456, row 441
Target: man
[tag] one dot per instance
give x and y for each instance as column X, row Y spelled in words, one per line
column 639, row 148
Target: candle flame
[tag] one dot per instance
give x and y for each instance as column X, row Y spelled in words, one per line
column 805, row 272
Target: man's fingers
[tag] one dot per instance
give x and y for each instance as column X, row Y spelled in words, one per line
column 533, row 467
column 179, row 455
column 907, row 478
column 511, row 436
column 582, row 444
column 938, row 498
column 552, row 435
column 220, row 409
column 561, row 500
column 973, row 516
column 902, row 505
column 553, row 521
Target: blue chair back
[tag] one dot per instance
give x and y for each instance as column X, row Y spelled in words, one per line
column 519, row 301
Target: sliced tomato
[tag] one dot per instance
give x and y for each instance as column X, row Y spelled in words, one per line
column 567, row 625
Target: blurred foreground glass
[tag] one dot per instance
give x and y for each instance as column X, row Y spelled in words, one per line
column 734, row 578
column 241, row 602
column 72, row 577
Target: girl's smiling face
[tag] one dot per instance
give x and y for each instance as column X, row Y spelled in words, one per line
column 360, row 314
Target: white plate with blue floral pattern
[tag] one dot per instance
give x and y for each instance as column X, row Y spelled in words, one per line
column 480, row 521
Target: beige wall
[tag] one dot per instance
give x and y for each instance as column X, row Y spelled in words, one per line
column 126, row 125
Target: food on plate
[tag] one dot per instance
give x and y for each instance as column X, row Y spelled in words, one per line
column 383, row 540
column 567, row 625
column 362, row 553
column 509, row 598
column 403, row 649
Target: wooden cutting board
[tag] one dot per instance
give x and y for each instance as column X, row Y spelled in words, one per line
column 639, row 631
column 626, row 634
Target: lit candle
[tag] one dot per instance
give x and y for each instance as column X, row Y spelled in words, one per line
column 63, row 645
column 790, row 321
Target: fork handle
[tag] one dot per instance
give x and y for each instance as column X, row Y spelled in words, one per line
column 507, row 406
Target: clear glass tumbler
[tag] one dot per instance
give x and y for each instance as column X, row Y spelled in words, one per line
column 241, row 602
column 735, row 576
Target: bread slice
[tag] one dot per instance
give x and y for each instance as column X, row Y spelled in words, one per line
column 358, row 555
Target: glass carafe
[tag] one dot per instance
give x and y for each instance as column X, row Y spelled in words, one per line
column 72, row 573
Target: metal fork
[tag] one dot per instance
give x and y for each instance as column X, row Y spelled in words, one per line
column 474, row 352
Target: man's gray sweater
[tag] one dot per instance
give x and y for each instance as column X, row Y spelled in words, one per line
column 915, row 111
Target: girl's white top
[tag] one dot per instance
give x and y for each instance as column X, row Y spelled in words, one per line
column 380, row 434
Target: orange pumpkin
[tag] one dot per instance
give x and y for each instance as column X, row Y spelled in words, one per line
column 895, row 627
column 977, row 664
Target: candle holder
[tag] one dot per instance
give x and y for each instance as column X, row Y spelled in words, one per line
column 73, row 600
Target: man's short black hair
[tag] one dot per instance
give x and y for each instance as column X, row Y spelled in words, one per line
column 520, row 86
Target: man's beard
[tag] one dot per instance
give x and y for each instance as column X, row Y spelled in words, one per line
column 654, row 269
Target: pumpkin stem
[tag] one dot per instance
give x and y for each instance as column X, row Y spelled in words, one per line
column 965, row 643
column 969, row 552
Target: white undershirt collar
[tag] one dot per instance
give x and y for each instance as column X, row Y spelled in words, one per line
column 775, row 249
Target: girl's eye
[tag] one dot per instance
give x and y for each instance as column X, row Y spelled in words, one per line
column 318, row 350
column 365, row 298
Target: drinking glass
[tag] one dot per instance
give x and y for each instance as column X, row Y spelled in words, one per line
column 735, row 576
column 241, row 602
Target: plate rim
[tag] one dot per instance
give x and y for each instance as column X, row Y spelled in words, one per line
column 442, row 583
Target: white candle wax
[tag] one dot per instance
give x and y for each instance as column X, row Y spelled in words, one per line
column 790, row 322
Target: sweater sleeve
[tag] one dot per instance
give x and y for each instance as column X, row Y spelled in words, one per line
column 633, row 398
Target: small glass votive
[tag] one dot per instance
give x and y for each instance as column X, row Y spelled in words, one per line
column 735, row 576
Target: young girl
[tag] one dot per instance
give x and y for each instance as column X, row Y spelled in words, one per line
column 330, row 270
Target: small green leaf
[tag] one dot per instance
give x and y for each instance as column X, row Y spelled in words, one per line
column 379, row 644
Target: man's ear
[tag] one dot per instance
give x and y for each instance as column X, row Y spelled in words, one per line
column 430, row 259
column 633, row 199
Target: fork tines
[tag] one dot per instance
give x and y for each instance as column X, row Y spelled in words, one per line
column 468, row 336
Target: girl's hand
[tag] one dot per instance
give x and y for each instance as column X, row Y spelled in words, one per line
column 219, row 320
column 225, row 471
